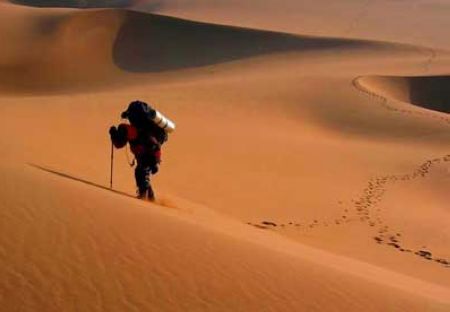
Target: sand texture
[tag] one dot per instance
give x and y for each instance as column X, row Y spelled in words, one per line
column 310, row 168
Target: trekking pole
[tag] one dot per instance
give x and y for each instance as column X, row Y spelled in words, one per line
column 112, row 164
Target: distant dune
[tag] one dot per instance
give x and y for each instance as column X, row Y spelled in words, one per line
column 116, row 41
column 152, row 43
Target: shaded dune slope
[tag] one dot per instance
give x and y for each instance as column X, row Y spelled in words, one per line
column 153, row 43
column 82, row 4
column 431, row 92
column 57, row 58
column 53, row 56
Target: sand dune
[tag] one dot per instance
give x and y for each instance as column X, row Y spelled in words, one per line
column 122, row 255
column 157, row 43
column 53, row 56
column 384, row 20
column 300, row 178
column 431, row 92
column 117, row 41
column 81, row 4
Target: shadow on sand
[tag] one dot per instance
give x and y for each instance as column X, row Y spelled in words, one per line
column 155, row 43
column 64, row 175
column 431, row 92
column 79, row 4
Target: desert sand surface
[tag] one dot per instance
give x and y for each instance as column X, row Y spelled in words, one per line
column 310, row 168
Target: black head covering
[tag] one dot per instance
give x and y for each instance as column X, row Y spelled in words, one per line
column 139, row 113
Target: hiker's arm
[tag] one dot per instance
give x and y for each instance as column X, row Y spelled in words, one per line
column 118, row 138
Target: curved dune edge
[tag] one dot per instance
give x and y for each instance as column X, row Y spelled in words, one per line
column 430, row 92
column 79, row 4
column 179, row 43
column 118, row 44
column 124, row 252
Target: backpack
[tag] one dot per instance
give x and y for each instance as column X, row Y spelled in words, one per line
column 145, row 118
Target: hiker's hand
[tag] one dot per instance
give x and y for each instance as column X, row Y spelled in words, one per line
column 118, row 139
column 113, row 132
column 155, row 169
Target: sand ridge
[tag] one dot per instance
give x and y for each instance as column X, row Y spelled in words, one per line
column 429, row 91
column 116, row 42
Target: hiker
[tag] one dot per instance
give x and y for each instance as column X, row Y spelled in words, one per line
column 146, row 131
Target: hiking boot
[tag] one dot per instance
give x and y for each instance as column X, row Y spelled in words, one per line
column 146, row 195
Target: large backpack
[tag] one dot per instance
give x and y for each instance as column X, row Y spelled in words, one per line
column 143, row 116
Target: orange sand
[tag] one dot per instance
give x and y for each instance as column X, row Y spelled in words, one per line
column 300, row 177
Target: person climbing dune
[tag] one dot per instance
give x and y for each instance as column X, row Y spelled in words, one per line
column 146, row 132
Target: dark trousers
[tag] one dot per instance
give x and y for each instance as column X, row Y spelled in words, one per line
column 142, row 175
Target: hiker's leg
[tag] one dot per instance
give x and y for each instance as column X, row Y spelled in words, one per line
column 150, row 193
column 142, row 175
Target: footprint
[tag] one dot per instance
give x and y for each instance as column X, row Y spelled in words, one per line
column 379, row 240
column 424, row 254
column 260, row 226
column 269, row 223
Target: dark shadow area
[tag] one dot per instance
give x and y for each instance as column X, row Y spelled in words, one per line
column 430, row 92
column 64, row 175
column 154, row 43
column 80, row 4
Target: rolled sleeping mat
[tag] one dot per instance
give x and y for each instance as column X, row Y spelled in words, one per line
column 163, row 122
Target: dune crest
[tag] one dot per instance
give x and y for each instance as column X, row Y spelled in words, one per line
column 55, row 57
column 118, row 43
column 154, row 43
column 431, row 92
